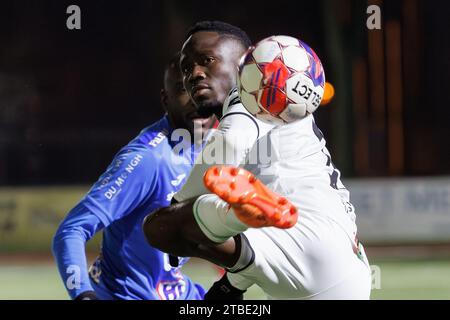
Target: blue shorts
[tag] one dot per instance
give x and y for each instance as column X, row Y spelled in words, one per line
column 194, row 292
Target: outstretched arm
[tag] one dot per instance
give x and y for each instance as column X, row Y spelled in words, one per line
column 116, row 193
column 69, row 250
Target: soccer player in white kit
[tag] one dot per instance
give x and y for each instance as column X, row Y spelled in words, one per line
column 314, row 256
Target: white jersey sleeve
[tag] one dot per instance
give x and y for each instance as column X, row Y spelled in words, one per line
column 236, row 134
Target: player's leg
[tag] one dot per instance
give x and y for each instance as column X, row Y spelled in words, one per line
column 357, row 286
column 207, row 227
column 174, row 230
column 313, row 260
column 204, row 227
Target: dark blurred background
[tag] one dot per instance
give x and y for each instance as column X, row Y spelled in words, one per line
column 69, row 99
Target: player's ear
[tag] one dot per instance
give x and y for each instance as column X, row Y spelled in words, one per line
column 164, row 97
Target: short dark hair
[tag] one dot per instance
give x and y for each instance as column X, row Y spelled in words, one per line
column 222, row 28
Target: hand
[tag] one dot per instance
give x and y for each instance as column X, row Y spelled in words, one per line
column 87, row 295
column 223, row 290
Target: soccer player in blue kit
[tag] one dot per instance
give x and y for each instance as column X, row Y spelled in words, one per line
column 142, row 177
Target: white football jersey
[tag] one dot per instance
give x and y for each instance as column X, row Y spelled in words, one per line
column 293, row 160
column 318, row 258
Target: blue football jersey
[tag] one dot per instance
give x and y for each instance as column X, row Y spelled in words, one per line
column 143, row 176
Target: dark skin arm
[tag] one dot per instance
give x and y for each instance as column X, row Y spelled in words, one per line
column 174, row 230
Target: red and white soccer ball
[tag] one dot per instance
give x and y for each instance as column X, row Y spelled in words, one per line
column 281, row 80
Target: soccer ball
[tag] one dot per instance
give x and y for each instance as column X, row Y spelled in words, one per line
column 280, row 80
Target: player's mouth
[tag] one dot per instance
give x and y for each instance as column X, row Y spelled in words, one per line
column 199, row 90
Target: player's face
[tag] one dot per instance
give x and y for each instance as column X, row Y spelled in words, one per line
column 209, row 65
column 179, row 106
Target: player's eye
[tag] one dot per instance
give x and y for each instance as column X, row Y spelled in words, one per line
column 209, row 60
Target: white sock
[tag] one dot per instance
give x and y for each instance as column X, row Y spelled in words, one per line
column 216, row 219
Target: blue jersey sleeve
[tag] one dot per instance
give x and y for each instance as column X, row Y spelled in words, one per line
column 130, row 179
column 69, row 248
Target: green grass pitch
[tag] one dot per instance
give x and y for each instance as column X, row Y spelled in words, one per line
column 399, row 280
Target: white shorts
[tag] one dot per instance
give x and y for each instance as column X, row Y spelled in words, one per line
column 313, row 260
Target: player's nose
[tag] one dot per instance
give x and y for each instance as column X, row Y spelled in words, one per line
column 198, row 72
